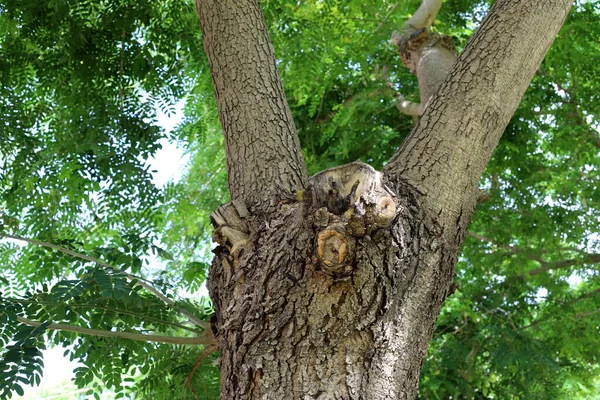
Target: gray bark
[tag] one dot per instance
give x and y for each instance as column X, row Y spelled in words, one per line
column 450, row 147
column 264, row 159
column 334, row 293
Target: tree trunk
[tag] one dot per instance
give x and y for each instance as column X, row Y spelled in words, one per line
column 330, row 289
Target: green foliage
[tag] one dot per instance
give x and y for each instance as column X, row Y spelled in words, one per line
column 332, row 54
column 80, row 85
column 99, row 298
column 21, row 362
column 81, row 82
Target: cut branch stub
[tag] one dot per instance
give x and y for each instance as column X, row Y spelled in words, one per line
column 347, row 202
column 335, row 249
column 385, row 211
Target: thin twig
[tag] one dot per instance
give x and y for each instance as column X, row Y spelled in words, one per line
column 510, row 249
column 586, row 258
column 552, row 316
column 197, row 321
column 204, row 339
column 587, row 313
column 387, row 16
column 115, row 310
column 206, row 185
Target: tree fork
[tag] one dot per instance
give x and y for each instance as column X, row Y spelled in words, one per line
column 330, row 289
column 310, row 298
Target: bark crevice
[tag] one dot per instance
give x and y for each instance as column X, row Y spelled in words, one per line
column 287, row 322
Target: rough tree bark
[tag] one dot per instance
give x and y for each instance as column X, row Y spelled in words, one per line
column 329, row 288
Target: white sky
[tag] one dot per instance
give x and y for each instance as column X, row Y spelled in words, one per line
column 170, row 161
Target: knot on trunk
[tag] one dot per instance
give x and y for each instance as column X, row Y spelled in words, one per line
column 335, row 250
column 347, row 202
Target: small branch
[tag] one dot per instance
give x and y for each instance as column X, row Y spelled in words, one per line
column 545, row 319
column 197, row 321
column 587, row 258
column 205, row 186
column 188, row 380
column 387, row 16
column 509, row 249
column 585, row 314
column 205, row 339
column 115, row 310
column 58, row 248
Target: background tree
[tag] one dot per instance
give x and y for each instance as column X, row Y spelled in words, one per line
column 530, row 251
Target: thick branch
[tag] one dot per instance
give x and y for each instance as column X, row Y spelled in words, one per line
column 448, row 150
column 206, row 340
column 263, row 150
column 423, row 18
column 197, row 321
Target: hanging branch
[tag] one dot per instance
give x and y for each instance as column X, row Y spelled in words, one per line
column 189, row 378
column 195, row 320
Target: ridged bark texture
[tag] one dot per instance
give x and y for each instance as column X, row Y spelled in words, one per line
column 326, row 296
column 449, row 149
column 287, row 327
column 263, row 150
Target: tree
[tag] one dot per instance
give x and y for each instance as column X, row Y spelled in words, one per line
column 333, row 290
column 339, row 294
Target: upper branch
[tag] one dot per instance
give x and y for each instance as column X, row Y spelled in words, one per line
column 581, row 258
column 423, row 18
column 451, row 145
column 263, row 150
